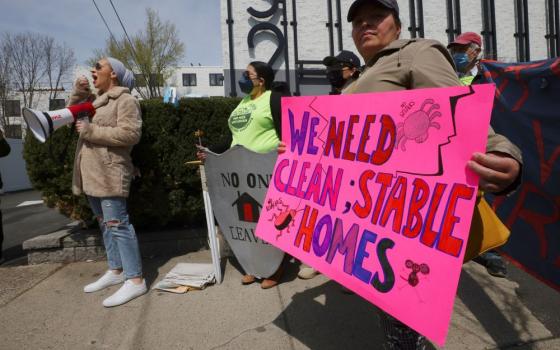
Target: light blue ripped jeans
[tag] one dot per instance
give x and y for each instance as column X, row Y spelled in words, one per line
column 119, row 236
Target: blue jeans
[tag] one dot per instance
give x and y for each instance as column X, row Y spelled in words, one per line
column 119, row 236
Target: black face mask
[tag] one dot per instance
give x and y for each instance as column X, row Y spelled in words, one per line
column 245, row 83
column 335, row 78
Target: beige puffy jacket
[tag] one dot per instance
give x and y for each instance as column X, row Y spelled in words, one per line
column 102, row 164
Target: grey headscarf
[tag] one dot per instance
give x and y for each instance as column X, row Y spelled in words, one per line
column 124, row 76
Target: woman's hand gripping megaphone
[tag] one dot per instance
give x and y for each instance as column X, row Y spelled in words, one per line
column 81, row 113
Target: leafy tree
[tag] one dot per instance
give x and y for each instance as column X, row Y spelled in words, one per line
column 152, row 54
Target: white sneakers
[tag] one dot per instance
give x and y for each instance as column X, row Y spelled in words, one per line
column 126, row 293
column 307, row 272
column 107, row 280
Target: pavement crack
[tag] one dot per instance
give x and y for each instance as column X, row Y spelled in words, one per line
column 262, row 326
column 257, row 328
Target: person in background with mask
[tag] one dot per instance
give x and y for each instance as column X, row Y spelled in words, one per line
column 255, row 124
column 466, row 49
column 341, row 70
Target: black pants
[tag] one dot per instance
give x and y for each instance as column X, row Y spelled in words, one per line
column 399, row 336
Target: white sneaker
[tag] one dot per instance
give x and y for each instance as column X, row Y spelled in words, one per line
column 107, row 280
column 307, row 272
column 126, row 293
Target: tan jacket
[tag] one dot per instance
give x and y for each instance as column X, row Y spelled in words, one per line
column 408, row 64
column 102, row 164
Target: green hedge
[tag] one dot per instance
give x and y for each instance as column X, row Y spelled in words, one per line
column 168, row 193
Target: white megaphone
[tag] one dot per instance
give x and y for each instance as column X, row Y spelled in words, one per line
column 43, row 124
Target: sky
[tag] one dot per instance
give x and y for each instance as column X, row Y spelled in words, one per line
column 79, row 25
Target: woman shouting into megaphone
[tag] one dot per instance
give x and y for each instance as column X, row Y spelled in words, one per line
column 103, row 171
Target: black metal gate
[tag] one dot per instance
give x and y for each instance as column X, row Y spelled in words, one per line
column 306, row 71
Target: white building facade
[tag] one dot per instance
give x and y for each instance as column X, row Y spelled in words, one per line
column 295, row 35
column 198, row 81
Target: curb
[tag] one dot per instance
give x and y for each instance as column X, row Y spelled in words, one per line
column 75, row 244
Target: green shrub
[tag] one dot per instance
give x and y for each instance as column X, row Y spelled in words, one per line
column 168, row 192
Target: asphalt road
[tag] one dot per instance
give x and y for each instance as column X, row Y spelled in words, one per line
column 22, row 222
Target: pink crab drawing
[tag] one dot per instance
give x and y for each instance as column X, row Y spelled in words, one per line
column 415, row 126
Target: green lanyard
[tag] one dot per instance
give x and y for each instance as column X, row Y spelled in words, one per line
column 467, row 80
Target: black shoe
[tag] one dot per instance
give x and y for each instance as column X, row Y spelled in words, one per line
column 493, row 262
column 496, row 267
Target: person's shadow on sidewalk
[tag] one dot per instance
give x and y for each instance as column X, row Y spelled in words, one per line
column 491, row 318
column 326, row 317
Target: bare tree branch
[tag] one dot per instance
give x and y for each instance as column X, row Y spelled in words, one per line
column 5, row 83
column 27, row 62
column 154, row 53
column 64, row 61
column 30, row 62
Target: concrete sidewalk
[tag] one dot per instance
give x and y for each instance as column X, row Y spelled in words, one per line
column 43, row 307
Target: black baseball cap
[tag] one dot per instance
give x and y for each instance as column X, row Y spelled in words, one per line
column 344, row 57
column 390, row 4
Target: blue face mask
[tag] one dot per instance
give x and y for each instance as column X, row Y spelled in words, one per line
column 461, row 61
column 245, row 84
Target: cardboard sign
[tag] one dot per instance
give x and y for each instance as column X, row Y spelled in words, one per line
column 374, row 193
column 237, row 182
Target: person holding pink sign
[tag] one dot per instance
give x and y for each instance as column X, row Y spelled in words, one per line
column 394, row 64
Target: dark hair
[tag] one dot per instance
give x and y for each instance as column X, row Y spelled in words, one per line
column 264, row 71
column 397, row 19
column 281, row 87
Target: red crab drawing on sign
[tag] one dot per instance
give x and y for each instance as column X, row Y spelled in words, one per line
column 415, row 126
column 283, row 218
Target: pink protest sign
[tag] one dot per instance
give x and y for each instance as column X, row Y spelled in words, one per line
column 374, row 193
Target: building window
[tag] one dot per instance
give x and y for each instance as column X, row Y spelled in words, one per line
column 189, row 79
column 216, row 79
column 13, row 108
column 56, row 103
column 13, row 131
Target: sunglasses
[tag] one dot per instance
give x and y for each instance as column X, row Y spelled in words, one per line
column 248, row 75
column 98, row 66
